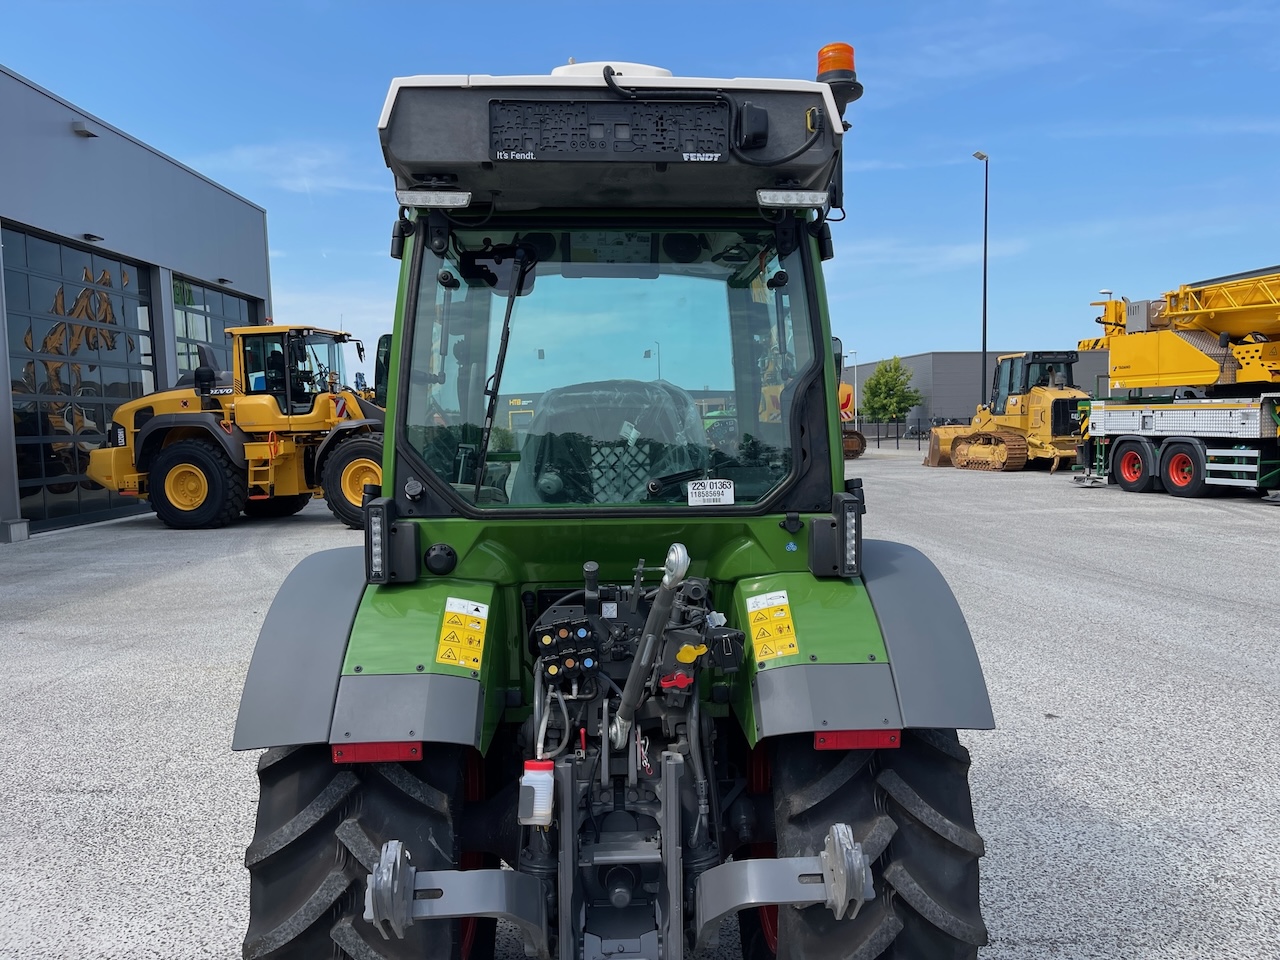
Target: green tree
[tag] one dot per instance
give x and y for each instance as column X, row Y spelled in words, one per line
column 887, row 394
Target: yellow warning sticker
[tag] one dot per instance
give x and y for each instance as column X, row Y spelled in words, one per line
column 462, row 633
column 773, row 633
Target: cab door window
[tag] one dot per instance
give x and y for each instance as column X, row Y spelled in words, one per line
column 264, row 366
column 1007, row 375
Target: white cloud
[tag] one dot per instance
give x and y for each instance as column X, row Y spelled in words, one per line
column 875, row 166
column 298, row 167
column 1180, row 127
column 922, row 258
column 947, row 53
column 360, row 309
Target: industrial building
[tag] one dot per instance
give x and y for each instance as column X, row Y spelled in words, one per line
column 117, row 261
column 952, row 382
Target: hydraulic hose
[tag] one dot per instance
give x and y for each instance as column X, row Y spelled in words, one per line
column 676, row 566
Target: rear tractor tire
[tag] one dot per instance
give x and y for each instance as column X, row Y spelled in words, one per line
column 193, row 484
column 910, row 808
column 355, row 461
column 276, row 506
column 320, row 829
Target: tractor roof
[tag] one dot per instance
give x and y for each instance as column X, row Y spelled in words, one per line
column 576, row 140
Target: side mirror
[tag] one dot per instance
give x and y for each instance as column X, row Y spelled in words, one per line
column 205, row 378
column 837, row 348
column 360, row 350
column 381, row 369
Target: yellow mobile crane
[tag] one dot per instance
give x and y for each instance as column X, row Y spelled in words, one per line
column 263, row 437
column 1211, row 351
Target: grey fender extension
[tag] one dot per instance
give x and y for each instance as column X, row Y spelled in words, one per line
column 931, row 653
column 292, row 683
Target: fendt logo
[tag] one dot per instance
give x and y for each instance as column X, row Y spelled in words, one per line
column 702, row 156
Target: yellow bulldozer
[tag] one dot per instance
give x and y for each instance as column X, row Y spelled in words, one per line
column 1032, row 415
column 263, row 438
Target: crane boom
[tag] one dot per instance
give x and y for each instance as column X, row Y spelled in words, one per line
column 1238, row 306
column 1223, row 332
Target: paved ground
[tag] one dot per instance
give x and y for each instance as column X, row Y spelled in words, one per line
column 1130, row 798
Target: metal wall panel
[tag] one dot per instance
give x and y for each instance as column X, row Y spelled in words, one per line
column 950, row 380
column 144, row 205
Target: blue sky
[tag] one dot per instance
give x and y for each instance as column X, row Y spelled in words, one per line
column 1133, row 143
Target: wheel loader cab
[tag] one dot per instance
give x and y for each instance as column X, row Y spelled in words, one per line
column 293, row 366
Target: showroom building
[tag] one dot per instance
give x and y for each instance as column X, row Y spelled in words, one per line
column 117, row 262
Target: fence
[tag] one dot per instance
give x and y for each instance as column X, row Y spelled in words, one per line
column 899, row 432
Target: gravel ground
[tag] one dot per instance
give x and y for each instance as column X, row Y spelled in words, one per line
column 1129, row 798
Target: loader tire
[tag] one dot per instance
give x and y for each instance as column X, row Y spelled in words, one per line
column 319, row 831
column 193, row 484
column 355, row 461
column 276, row 506
column 911, row 810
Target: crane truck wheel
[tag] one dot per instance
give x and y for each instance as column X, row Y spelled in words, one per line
column 1135, row 473
column 355, row 461
column 319, row 831
column 911, row 810
column 193, row 484
column 1183, row 470
column 276, row 506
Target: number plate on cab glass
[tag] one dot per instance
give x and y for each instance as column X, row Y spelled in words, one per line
column 710, row 493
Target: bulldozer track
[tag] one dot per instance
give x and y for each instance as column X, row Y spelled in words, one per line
column 996, row 450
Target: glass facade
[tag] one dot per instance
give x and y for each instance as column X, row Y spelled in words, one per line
column 201, row 315
column 78, row 323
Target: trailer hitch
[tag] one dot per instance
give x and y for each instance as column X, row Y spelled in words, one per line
column 840, row 877
column 398, row 894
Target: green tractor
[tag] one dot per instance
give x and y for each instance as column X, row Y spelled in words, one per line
column 594, row 672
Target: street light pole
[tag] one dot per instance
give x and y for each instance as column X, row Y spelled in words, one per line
column 857, row 407
column 986, row 194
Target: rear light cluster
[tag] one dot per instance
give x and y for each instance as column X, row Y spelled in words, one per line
column 857, row 739
column 389, row 752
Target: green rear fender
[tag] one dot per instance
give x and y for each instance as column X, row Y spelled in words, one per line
column 427, row 662
column 885, row 652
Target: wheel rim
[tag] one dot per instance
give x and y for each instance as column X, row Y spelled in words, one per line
column 1182, row 470
column 355, row 475
column 1131, row 466
column 186, row 487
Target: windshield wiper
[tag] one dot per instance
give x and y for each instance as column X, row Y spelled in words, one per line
column 524, row 261
column 656, row 485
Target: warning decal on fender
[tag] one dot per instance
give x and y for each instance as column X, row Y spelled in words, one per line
column 462, row 632
column 773, row 634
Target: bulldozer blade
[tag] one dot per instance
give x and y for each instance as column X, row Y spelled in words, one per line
column 939, row 454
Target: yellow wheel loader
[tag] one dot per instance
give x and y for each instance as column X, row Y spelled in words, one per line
column 263, row 438
column 1032, row 415
column 851, row 438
